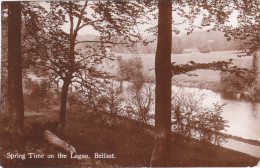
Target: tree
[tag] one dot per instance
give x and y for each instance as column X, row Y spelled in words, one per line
column 213, row 12
column 248, row 31
column 57, row 50
column 15, row 89
column 162, row 139
column 4, row 57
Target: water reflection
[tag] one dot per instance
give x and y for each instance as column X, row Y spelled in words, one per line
column 255, row 109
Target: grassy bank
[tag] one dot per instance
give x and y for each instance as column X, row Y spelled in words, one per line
column 91, row 133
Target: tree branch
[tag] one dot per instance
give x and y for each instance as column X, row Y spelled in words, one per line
column 219, row 65
column 71, row 20
column 80, row 18
column 88, row 23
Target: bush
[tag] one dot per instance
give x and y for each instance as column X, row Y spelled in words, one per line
column 191, row 119
column 131, row 69
column 245, row 84
column 141, row 101
column 209, row 124
column 111, row 99
column 140, row 91
column 204, row 49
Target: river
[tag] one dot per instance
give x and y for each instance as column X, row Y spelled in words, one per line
column 243, row 117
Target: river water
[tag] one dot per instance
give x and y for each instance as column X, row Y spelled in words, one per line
column 243, row 117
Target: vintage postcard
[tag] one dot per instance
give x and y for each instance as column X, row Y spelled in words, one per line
column 124, row 83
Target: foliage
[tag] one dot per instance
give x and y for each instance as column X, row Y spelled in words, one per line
column 90, row 97
column 244, row 84
column 54, row 51
column 141, row 102
column 231, row 82
column 76, row 102
column 223, row 66
column 210, row 123
column 111, row 99
column 247, row 32
column 131, row 70
column 56, row 48
column 191, row 119
column 140, row 91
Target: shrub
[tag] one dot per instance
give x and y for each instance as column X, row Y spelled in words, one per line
column 191, row 119
column 130, row 69
column 142, row 100
column 140, row 90
column 244, row 83
column 110, row 99
column 209, row 124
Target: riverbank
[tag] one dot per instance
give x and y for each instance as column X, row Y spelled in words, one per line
column 91, row 132
column 209, row 85
column 248, row 141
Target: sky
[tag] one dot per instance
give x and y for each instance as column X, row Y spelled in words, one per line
column 143, row 27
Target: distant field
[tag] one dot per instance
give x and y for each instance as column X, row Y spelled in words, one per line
column 203, row 75
column 148, row 59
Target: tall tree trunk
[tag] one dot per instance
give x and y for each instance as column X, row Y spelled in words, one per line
column 255, row 68
column 15, row 89
column 162, row 139
column 64, row 95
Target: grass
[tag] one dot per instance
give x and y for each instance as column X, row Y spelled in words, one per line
column 90, row 132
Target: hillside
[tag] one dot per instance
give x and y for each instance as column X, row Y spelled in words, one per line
column 198, row 39
column 86, row 37
column 91, row 132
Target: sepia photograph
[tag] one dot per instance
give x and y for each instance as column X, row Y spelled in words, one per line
column 130, row 83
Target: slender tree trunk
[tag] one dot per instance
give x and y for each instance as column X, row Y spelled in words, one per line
column 15, row 89
column 255, row 62
column 64, row 95
column 67, row 80
column 255, row 66
column 162, row 139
